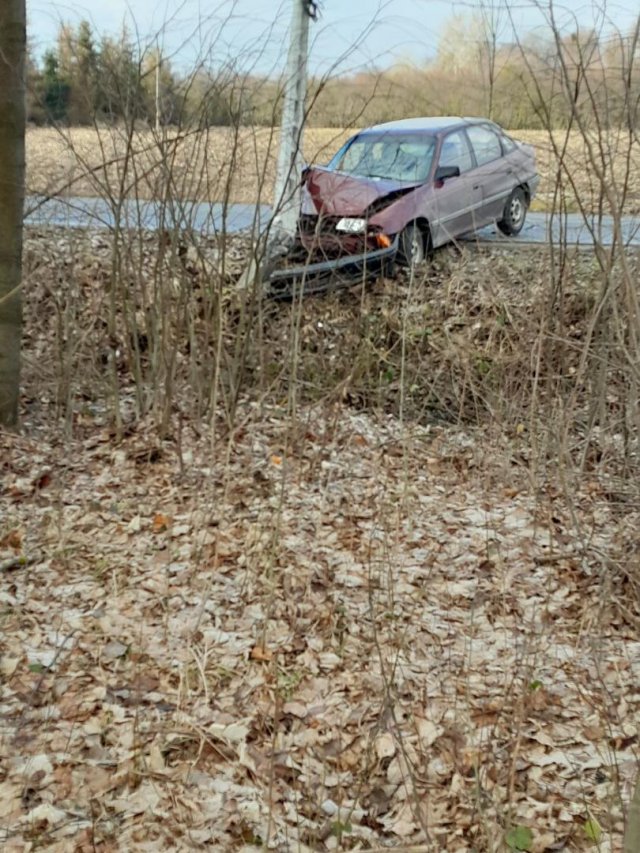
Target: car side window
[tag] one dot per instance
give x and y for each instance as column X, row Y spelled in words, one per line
column 485, row 143
column 507, row 143
column 455, row 152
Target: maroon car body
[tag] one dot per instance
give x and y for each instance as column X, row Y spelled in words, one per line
column 408, row 186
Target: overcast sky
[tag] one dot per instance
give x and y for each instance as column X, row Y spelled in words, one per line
column 350, row 33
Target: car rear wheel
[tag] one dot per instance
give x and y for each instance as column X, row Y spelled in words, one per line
column 412, row 246
column 514, row 214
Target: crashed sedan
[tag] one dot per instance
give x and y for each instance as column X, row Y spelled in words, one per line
column 398, row 190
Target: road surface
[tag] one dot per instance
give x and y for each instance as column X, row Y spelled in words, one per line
column 215, row 218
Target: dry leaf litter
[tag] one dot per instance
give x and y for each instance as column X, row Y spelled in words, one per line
column 336, row 631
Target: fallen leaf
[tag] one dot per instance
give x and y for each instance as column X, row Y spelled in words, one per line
column 114, row 649
column 233, row 733
column 135, row 525
column 13, row 540
column 161, row 522
column 593, row 830
column 519, row 838
column 385, row 746
column 8, row 666
column 46, row 813
column 261, row 654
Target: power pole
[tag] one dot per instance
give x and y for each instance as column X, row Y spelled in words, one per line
column 286, row 196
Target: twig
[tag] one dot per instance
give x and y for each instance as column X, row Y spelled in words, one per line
column 17, row 562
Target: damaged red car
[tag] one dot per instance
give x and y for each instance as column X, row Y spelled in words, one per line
column 397, row 190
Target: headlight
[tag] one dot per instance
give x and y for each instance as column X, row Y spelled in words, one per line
column 353, row 226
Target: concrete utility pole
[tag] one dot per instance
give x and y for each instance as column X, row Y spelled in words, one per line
column 286, row 197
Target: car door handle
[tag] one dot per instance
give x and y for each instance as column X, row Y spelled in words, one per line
column 476, row 187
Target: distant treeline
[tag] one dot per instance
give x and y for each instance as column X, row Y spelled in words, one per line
column 83, row 81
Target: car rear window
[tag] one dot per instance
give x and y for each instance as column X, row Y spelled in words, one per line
column 387, row 155
column 485, row 143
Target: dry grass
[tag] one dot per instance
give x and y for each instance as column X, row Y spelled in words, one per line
column 224, row 163
column 238, row 165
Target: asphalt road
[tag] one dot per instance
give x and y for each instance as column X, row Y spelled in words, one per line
column 214, row 218
column 151, row 215
column 570, row 229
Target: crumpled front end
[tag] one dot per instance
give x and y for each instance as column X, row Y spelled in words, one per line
column 336, row 214
column 336, row 235
column 331, row 237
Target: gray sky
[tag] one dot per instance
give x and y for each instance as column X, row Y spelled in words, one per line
column 351, row 34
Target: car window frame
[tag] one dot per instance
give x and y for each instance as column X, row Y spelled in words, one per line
column 504, row 137
column 492, row 130
column 462, row 130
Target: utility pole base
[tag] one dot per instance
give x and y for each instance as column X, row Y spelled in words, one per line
column 271, row 253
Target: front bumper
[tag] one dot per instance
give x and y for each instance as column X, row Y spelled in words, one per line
column 324, row 275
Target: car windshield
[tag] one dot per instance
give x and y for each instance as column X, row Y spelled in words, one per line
column 388, row 156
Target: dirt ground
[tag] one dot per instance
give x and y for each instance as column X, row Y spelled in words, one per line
column 372, row 638
column 239, row 166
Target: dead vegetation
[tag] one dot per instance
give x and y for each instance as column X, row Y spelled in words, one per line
column 352, row 574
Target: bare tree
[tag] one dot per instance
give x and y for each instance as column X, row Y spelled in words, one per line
column 12, row 119
column 492, row 21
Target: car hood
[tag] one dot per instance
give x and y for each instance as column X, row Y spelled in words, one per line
column 337, row 194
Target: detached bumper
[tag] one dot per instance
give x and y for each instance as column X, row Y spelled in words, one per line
column 323, row 275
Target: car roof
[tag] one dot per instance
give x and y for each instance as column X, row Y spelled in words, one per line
column 424, row 124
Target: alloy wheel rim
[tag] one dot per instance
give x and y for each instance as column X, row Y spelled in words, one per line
column 517, row 210
column 416, row 254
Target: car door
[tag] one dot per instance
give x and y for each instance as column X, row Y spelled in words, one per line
column 494, row 175
column 454, row 199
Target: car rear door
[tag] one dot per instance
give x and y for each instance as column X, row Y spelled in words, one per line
column 494, row 175
column 454, row 199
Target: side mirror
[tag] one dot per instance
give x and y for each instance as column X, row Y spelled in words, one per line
column 444, row 172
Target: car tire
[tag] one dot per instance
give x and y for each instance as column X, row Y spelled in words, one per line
column 514, row 214
column 412, row 246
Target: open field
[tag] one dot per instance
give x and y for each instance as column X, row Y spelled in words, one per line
column 238, row 165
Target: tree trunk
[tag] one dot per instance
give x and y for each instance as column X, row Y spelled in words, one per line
column 12, row 122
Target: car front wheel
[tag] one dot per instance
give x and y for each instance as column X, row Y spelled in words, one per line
column 412, row 247
column 515, row 212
